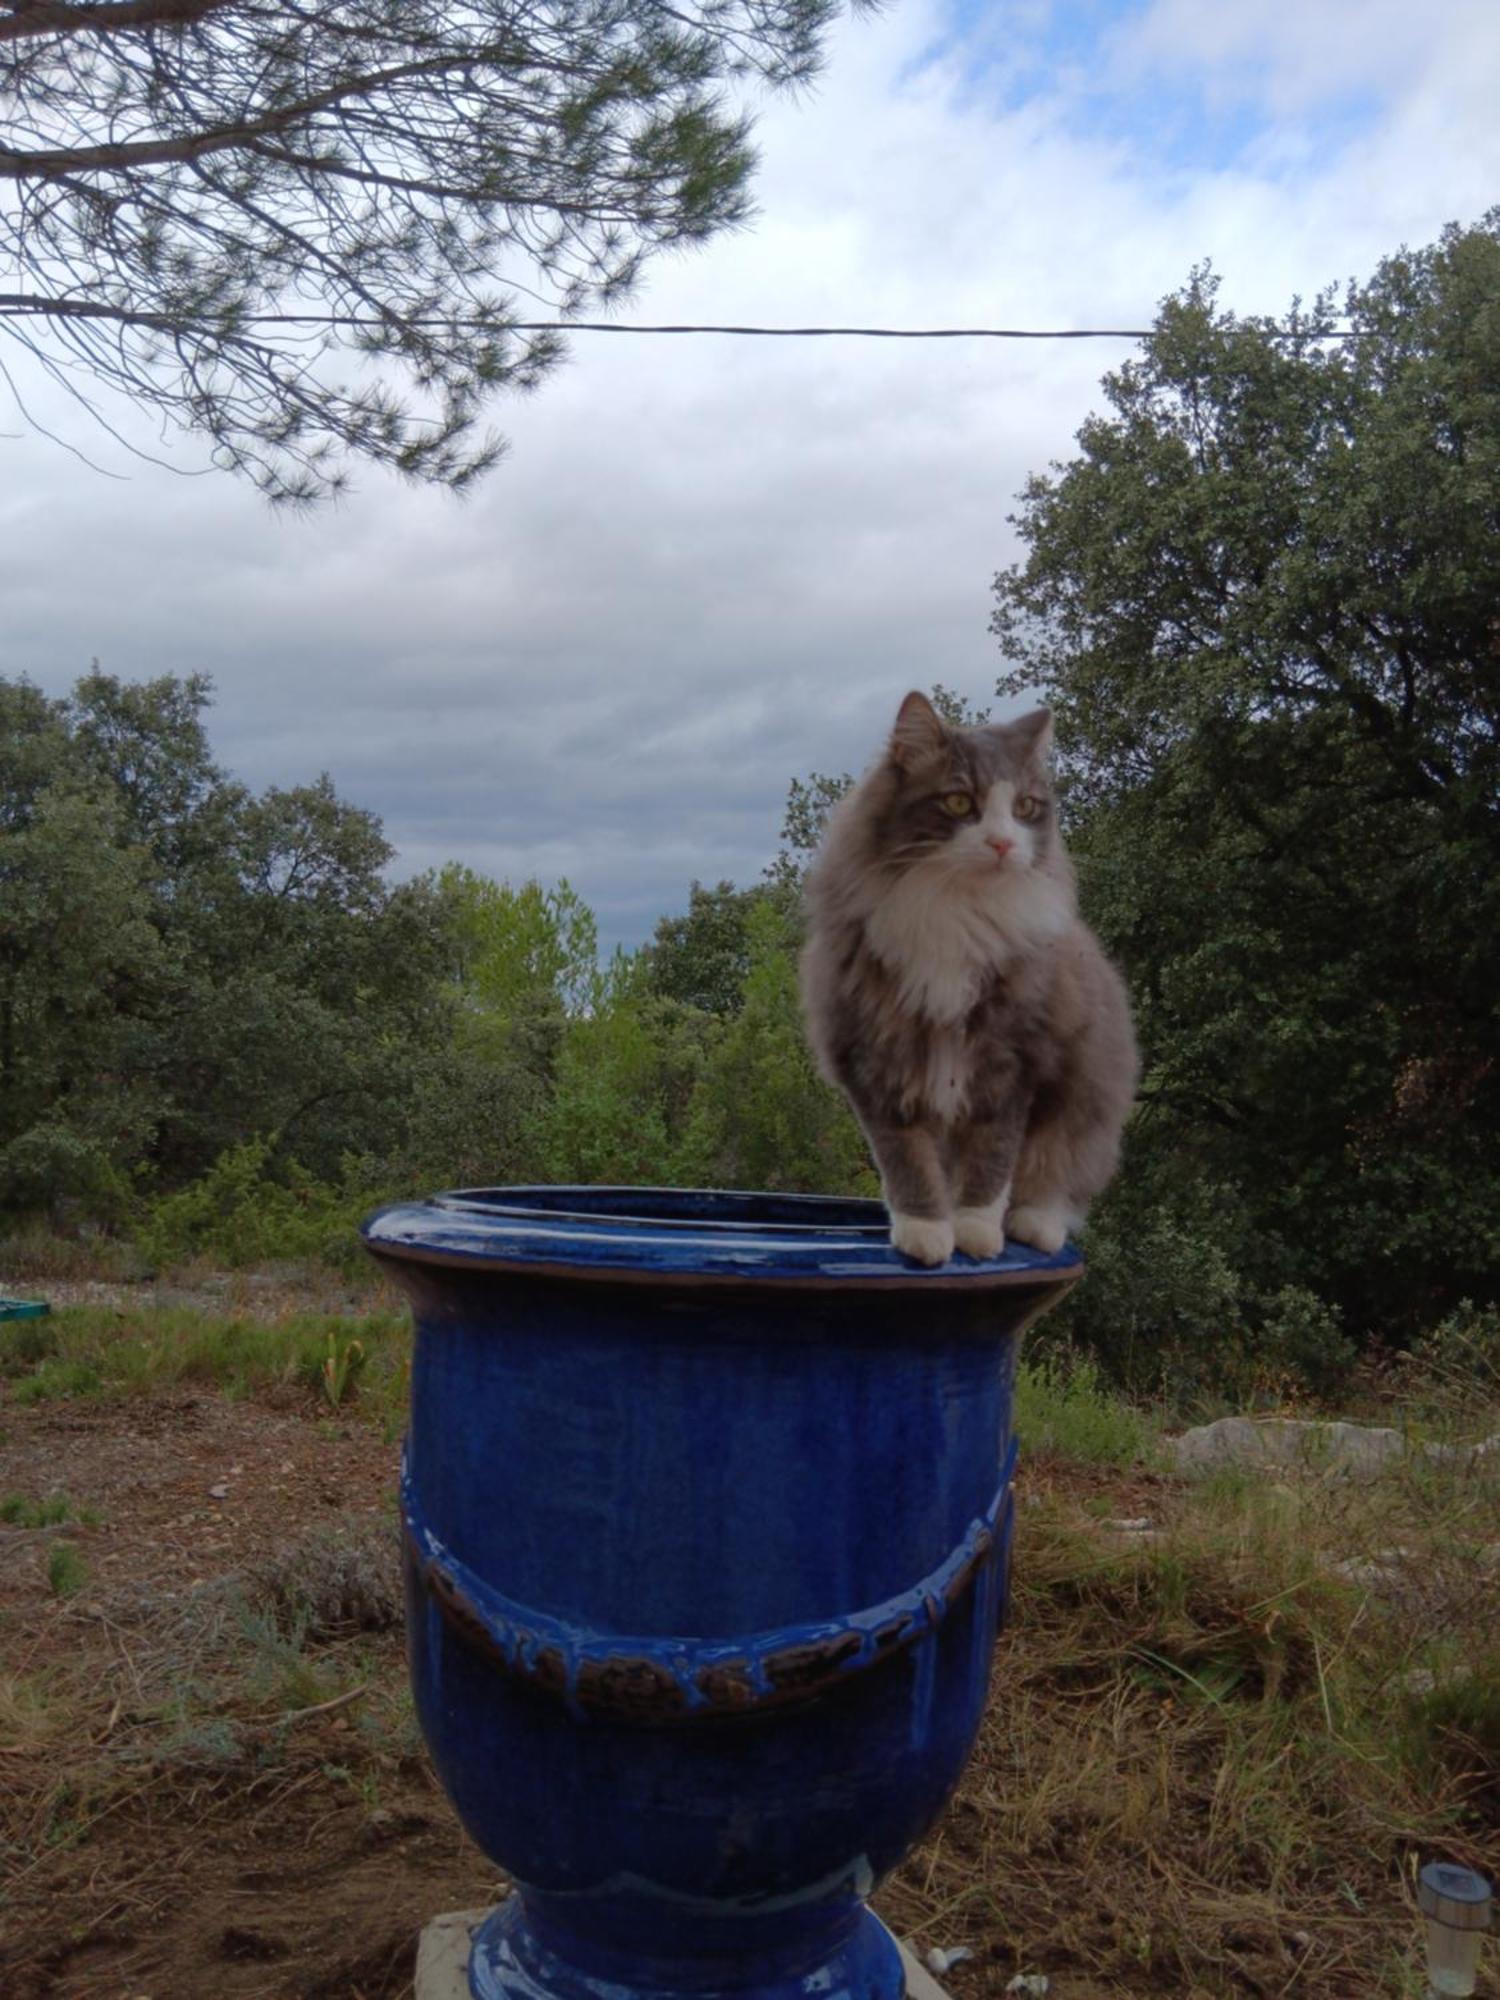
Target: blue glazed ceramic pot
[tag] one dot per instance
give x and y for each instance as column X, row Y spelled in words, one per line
column 707, row 1514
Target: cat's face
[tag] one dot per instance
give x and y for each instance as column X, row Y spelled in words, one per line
column 977, row 802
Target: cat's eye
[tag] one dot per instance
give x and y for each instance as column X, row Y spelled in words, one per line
column 1028, row 807
column 959, row 804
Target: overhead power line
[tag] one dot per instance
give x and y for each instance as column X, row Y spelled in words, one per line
column 847, row 332
column 21, row 305
column 901, row 332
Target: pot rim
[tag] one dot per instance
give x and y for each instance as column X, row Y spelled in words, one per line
column 687, row 1236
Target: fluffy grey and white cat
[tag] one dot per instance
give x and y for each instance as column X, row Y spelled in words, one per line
column 955, row 996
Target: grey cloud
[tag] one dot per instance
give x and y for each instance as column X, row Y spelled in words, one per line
column 709, row 565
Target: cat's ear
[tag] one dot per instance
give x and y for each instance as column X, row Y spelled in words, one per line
column 1032, row 734
column 919, row 729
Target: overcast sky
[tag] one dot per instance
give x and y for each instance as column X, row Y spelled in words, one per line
column 710, row 564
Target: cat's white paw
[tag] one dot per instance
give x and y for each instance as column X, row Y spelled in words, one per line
column 1042, row 1226
column 980, row 1232
column 928, row 1240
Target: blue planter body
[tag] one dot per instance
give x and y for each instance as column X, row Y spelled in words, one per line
column 707, row 1515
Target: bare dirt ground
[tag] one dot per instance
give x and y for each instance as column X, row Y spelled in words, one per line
column 183, row 1822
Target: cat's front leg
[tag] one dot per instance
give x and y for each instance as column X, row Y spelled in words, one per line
column 983, row 1152
column 916, row 1189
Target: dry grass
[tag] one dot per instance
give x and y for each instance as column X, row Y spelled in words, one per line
column 36, row 1253
column 35, row 1715
column 1217, row 1752
column 205, row 1693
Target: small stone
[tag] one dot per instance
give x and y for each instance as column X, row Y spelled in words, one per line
column 219, row 1492
column 940, row 1961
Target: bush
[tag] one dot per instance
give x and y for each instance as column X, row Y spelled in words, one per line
column 53, row 1171
column 237, row 1214
column 1303, row 1336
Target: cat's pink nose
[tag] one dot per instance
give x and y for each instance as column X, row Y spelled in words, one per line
column 1002, row 848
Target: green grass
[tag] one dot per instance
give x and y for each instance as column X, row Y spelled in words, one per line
column 17, row 1511
column 24, row 1342
column 108, row 1351
column 55, row 1378
column 67, row 1572
column 1062, row 1409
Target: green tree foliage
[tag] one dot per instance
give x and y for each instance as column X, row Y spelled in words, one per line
column 516, row 952
column 703, row 958
column 809, row 802
column 762, row 1116
column 205, row 197
column 184, row 966
column 248, row 1208
column 1262, row 600
column 77, row 947
column 626, row 1077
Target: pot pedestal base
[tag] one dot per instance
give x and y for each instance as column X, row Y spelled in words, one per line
column 443, row 1961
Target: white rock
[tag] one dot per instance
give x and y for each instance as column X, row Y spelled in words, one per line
column 1360, row 1451
column 940, row 1961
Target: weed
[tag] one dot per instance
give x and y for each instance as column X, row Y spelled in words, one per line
column 341, row 1368
column 25, row 1342
column 38, row 1252
column 280, row 1672
column 33, row 1713
column 1451, row 1731
column 1062, row 1408
column 67, row 1572
column 56, row 1378
column 207, row 1744
column 332, row 1583
column 51, row 1511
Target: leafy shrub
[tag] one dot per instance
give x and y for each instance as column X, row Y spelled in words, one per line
column 52, row 1169
column 238, row 1213
column 1304, row 1335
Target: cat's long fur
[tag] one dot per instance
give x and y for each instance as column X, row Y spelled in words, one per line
column 954, row 994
